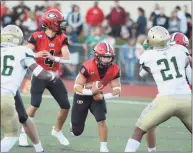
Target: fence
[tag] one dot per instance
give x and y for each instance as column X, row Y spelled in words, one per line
column 129, row 67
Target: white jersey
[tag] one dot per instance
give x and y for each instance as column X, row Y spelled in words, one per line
column 168, row 69
column 14, row 63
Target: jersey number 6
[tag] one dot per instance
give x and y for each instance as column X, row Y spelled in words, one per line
column 49, row 62
column 165, row 62
column 7, row 70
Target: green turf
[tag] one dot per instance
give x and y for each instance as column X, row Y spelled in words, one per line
column 171, row 136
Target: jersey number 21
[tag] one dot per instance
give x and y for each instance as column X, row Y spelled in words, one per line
column 165, row 62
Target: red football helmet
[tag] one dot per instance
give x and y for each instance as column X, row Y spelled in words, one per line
column 54, row 20
column 179, row 38
column 104, row 50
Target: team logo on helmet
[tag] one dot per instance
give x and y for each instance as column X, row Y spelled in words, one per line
column 52, row 15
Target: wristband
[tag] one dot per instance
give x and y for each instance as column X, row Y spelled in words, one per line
column 110, row 96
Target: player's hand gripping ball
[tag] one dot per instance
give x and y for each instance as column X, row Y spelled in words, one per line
column 99, row 95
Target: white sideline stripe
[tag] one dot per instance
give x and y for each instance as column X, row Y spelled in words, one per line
column 109, row 101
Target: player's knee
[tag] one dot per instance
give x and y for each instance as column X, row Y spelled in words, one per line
column 23, row 119
column 36, row 99
column 77, row 131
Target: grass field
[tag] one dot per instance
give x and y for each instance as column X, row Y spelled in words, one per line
column 122, row 115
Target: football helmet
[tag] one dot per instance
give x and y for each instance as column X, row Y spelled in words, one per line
column 11, row 34
column 179, row 38
column 104, row 54
column 54, row 20
column 158, row 37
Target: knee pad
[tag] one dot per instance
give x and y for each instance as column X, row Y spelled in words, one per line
column 77, row 131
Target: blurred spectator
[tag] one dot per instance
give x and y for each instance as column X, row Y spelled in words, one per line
column 161, row 19
column 38, row 19
column 187, row 14
column 116, row 19
column 20, row 11
column 72, row 38
column 30, row 24
column 130, row 24
column 95, row 37
column 139, row 45
column 7, row 18
column 94, row 16
column 174, row 23
column 75, row 20
column 48, row 7
column 110, row 40
column 129, row 59
column 138, row 52
column 66, row 14
column 155, row 12
column 189, row 22
column 3, row 7
column 141, row 22
column 183, row 21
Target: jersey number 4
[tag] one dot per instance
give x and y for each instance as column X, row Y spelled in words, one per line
column 169, row 76
column 49, row 62
column 7, row 70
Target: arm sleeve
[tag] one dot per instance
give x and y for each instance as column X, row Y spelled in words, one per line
column 31, row 40
column 84, row 71
column 65, row 42
column 28, row 62
column 28, row 58
column 118, row 75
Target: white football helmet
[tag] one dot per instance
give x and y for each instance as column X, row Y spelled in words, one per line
column 158, row 37
column 12, row 34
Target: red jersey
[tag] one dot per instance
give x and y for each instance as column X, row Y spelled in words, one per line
column 42, row 42
column 91, row 71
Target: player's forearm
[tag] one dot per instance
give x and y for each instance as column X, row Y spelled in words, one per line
column 188, row 74
column 115, row 94
column 79, row 89
column 62, row 60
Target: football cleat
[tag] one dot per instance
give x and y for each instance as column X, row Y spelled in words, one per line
column 61, row 138
column 23, row 140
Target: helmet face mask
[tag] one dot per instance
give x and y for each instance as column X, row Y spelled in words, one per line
column 104, row 61
column 104, row 54
column 63, row 25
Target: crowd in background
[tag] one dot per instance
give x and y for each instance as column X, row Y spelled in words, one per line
column 117, row 27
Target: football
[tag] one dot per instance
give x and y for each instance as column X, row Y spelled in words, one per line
column 99, row 84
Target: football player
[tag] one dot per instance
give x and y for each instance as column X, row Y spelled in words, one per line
column 15, row 60
column 167, row 65
column 94, row 75
column 48, row 45
column 175, row 38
